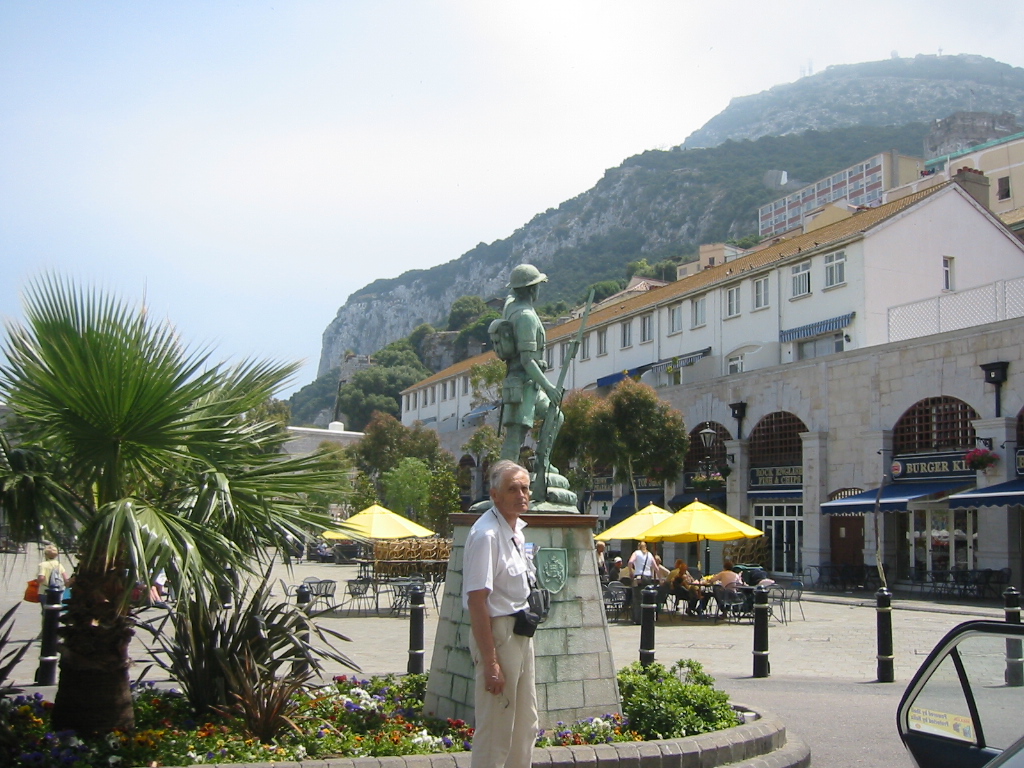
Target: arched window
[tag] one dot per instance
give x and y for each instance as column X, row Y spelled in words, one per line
column 934, row 424
column 696, row 452
column 775, row 441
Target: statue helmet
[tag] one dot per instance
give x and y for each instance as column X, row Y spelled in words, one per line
column 526, row 275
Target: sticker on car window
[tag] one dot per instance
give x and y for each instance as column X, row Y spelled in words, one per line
column 959, row 727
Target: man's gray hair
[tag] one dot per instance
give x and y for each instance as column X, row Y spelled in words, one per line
column 500, row 469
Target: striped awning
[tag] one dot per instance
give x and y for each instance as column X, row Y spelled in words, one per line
column 682, row 361
column 1008, row 494
column 615, row 378
column 818, row 328
column 895, row 497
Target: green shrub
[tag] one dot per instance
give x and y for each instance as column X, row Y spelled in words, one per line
column 662, row 703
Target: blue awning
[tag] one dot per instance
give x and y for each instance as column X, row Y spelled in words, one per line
column 480, row 410
column 895, row 497
column 682, row 361
column 818, row 328
column 615, row 378
column 624, row 507
column 759, row 494
column 1001, row 495
column 715, row 499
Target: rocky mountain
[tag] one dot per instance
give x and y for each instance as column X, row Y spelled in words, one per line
column 662, row 204
column 892, row 92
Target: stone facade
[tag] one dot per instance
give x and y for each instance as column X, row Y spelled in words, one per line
column 575, row 669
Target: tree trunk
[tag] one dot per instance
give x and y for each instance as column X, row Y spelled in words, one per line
column 93, row 692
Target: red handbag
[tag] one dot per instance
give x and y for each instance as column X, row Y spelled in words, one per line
column 32, row 591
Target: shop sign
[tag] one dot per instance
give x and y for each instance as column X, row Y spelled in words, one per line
column 646, row 484
column 1019, row 455
column 931, row 466
column 602, row 483
column 776, row 477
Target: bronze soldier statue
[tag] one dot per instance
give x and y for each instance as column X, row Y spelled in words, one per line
column 526, row 394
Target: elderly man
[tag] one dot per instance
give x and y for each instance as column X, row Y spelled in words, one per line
column 496, row 583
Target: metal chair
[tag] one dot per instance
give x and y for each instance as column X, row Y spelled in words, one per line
column 615, row 599
column 784, row 596
column 323, row 591
column 360, row 593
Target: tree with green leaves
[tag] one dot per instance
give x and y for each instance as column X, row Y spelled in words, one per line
column 484, row 445
column 575, row 451
column 364, row 493
column 485, row 379
column 407, row 487
column 387, row 441
column 636, row 433
column 465, row 310
column 149, row 452
column 400, row 353
column 375, row 389
column 444, row 498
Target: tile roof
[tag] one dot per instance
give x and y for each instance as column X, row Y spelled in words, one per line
column 804, row 245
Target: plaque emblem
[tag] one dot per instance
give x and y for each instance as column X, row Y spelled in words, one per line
column 552, row 568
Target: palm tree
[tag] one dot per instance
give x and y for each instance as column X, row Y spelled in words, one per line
column 146, row 451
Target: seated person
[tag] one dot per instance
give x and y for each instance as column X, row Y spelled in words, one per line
column 727, row 578
column 614, row 569
column 681, row 584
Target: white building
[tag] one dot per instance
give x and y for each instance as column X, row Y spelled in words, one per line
column 830, row 346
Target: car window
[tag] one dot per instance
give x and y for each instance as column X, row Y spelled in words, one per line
column 985, row 660
column 943, row 706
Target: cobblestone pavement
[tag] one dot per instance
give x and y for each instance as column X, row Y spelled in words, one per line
column 822, row 667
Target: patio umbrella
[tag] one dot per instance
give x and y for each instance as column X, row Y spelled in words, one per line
column 635, row 524
column 696, row 522
column 377, row 522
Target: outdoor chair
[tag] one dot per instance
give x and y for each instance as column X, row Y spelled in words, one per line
column 288, row 589
column 732, row 604
column 360, row 593
column 999, row 582
column 323, row 591
column 615, row 599
column 783, row 597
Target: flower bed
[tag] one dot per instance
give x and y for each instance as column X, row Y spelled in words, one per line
column 350, row 718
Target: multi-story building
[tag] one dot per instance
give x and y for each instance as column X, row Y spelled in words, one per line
column 863, row 184
column 819, row 361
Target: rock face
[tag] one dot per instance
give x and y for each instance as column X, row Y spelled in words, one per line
column 661, row 205
column 892, row 92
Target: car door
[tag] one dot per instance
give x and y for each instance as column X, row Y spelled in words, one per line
column 963, row 707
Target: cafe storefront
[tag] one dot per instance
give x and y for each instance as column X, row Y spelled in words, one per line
column 929, row 535
column 775, row 495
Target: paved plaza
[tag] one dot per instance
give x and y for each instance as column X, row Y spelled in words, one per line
column 822, row 668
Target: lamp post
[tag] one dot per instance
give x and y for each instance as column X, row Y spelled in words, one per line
column 707, row 438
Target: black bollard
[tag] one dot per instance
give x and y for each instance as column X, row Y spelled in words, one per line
column 46, row 674
column 416, row 612
column 649, row 611
column 303, row 595
column 883, row 600
column 762, row 667
column 1014, row 675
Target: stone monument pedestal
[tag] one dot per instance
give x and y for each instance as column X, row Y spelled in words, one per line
column 575, row 669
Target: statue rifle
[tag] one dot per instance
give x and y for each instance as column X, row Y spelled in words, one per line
column 574, row 347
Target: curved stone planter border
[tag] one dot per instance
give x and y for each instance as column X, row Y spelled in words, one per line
column 762, row 743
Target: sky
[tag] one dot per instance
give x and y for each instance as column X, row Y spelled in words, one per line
column 242, row 167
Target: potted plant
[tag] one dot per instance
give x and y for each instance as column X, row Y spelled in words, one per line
column 981, row 459
column 708, row 482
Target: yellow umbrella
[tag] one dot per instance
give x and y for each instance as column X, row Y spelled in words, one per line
column 376, row 522
column 697, row 521
column 635, row 524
